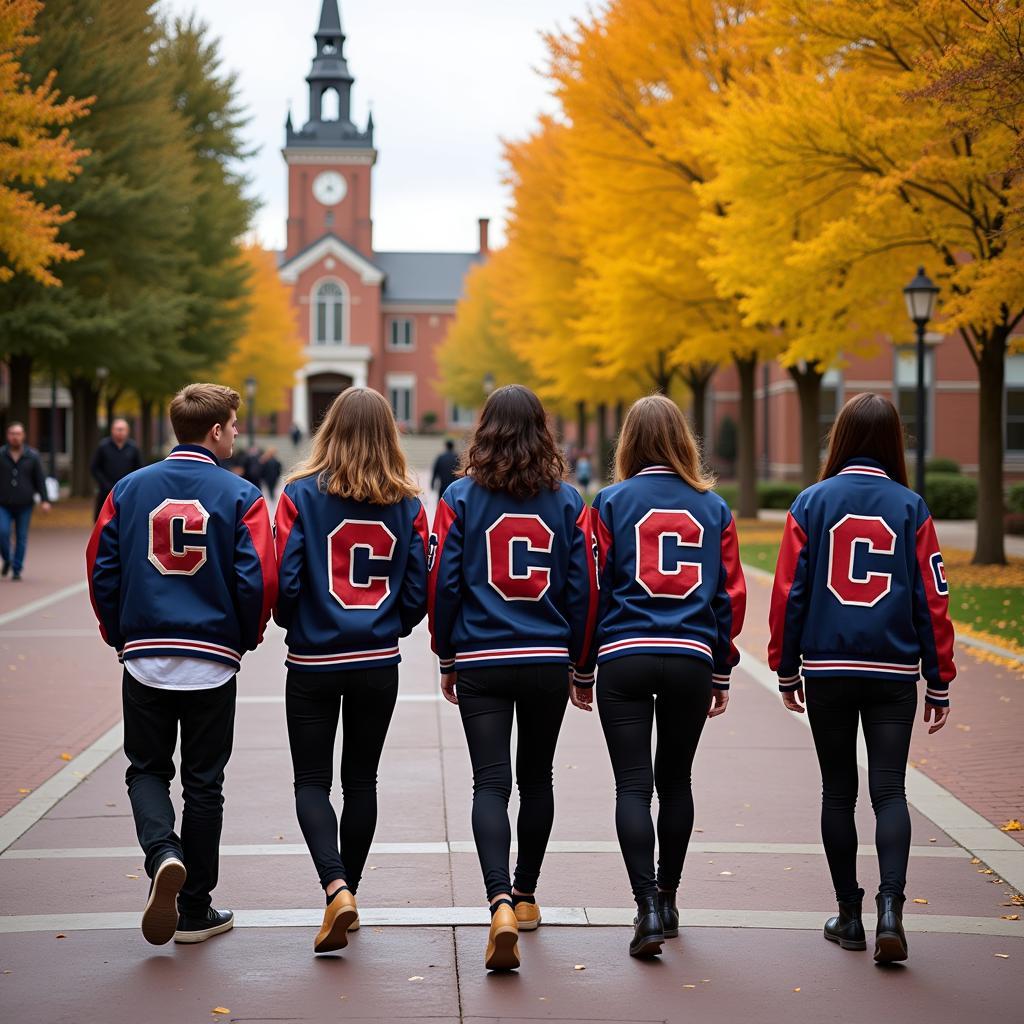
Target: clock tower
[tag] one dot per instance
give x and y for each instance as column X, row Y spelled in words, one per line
column 329, row 159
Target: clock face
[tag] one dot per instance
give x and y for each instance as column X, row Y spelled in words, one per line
column 329, row 188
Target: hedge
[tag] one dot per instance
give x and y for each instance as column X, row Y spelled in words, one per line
column 940, row 465
column 951, row 496
column 770, row 493
column 1015, row 498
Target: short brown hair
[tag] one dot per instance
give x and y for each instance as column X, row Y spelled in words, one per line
column 197, row 408
column 357, row 453
column 512, row 448
column 867, row 427
column 656, row 433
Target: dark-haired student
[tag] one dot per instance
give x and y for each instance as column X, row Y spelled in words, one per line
column 512, row 598
column 859, row 612
column 672, row 602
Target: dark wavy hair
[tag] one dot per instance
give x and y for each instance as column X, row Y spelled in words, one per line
column 868, row 426
column 512, row 449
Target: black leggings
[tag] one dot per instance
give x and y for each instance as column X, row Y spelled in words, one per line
column 313, row 701
column 632, row 693
column 488, row 697
column 887, row 710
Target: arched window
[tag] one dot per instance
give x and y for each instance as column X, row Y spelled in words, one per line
column 330, row 104
column 330, row 314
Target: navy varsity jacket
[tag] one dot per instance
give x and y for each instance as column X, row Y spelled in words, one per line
column 353, row 577
column 511, row 581
column 860, row 588
column 669, row 573
column 181, row 561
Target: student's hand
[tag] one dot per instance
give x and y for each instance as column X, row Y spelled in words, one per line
column 581, row 698
column 448, row 680
column 794, row 700
column 719, row 702
column 937, row 716
column 45, row 506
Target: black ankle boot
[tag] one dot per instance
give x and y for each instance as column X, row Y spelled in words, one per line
column 847, row 928
column 890, row 939
column 648, row 936
column 669, row 914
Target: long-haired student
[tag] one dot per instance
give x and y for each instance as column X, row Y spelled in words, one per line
column 512, row 600
column 859, row 611
column 672, row 602
column 351, row 542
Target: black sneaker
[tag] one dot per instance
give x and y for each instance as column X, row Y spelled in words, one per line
column 160, row 917
column 16, row 577
column 199, row 929
column 6, row 569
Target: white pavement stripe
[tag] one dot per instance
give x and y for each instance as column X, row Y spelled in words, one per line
column 962, row 824
column 466, row 846
column 448, row 917
column 42, row 602
column 20, row 818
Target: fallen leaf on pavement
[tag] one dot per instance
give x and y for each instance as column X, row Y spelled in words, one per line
column 962, row 727
column 689, row 986
column 985, row 871
column 131, row 876
column 933, row 840
column 220, row 1009
column 61, row 935
column 920, row 901
column 416, row 977
column 797, row 989
column 24, row 790
column 1013, row 825
column 65, row 756
column 1002, row 956
column 1011, row 917
column 725, row 872
column 580, row 967
column 975, row 860
column 1017, row 900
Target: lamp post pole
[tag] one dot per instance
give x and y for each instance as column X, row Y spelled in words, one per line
column 250, row 411
column 920, row 297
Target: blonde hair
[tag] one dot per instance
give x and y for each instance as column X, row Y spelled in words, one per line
column 197, row 408
column 356, row 451
column 656, row 433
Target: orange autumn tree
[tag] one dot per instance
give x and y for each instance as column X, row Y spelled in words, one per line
column 31, row 154
column 270, row 346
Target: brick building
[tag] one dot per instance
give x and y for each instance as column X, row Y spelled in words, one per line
column 367, row 317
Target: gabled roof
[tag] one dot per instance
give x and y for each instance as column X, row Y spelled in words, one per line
column 424, row 276
column 330, row 245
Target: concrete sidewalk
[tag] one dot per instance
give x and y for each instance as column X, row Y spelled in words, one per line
column 754, row 894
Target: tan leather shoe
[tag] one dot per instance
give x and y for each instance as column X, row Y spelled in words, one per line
column 528, row 916
column 338, row 917
column 503, row 940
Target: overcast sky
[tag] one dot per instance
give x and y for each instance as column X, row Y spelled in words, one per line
column 447, row 79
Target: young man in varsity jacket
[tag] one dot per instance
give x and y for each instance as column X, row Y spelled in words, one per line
column 182, row 576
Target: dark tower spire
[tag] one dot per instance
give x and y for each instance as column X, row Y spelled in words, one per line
column 328, row 75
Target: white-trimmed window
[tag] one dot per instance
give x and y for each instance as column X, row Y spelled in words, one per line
column 329, row 314
column 904, row 397
column 831, row 403
column 401, row 333
column 1014, row 407
column 401, row 388
column 461, row 416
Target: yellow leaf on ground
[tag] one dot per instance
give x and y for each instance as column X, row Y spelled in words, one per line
column 220, row 1009
column 1013, row 825
column 689, row 986
column 131, row 876
column 1011, row 917
column 920, row 901
column 797, row 989
column 23, row 790
column 975, row 860
column 65, row 756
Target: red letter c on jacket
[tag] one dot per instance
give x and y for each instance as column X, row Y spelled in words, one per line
column 879, row 539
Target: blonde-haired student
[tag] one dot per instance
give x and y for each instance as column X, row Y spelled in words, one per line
column 352, row 552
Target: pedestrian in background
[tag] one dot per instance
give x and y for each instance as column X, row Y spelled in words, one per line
column 296, row 435
column 672, row 602
column 21, row 479
column 513, row 596
column 859, row 611
column 445, row 467
column 583, row 471
column 116, row 456
column 182, row 576
column 270, row 472
column 352, row 546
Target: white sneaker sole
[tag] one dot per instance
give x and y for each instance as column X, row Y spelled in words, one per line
column 186, row 938
column 160, row 918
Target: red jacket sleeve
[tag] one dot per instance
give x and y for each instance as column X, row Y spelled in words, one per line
column 414, row 586
column 931, row 617
column 444, row 583
column 730, row 606
column 581, row 596
column 255, row 573
column 788, row 605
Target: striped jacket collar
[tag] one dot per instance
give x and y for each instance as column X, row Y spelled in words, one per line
column 664, row 470
column 193, row 453
column 863, row 467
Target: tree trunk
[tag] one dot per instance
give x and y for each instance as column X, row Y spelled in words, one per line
column 620, row 415
column 603, row 449
column 161, row 421
column 697, row 379
column 746, row 461
column 581, row 425
column 113, row 394
column 85, row 434
column 989, row 546
column 20, row 367
column 808, row 390
column 146, row 429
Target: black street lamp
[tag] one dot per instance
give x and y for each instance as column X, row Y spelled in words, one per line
column 920, row 297
column 250, row 408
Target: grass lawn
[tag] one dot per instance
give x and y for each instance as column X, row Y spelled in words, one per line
column 987, row 600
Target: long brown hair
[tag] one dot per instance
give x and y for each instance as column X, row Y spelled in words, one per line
column 867, row 427
column 655, row 433
column 512, row 448
column 356, row 451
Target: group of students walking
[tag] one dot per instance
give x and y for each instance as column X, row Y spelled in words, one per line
column 530, row 595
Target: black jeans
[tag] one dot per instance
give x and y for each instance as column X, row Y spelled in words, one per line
column 207, row 718
column 887, row 711
column 488, row 698
column 313, row 702
column 632, row 693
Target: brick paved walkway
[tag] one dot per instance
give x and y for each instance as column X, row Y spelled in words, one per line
column 754, row 895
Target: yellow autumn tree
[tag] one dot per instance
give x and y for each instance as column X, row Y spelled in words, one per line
column 868, row 175
column 270, row 347
column 32, row 152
